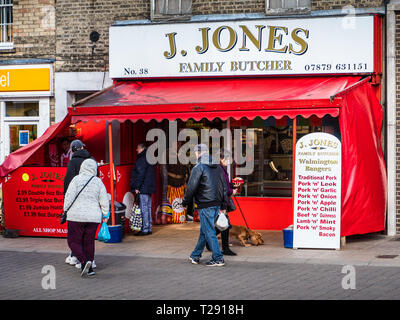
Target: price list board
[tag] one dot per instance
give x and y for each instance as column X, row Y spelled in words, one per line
column 33, row 201
column 317, row 192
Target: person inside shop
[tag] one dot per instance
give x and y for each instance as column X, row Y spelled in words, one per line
column 143, row 185
column 66, row 152
column 79, row 154
column 207, row 187
column 90, row 205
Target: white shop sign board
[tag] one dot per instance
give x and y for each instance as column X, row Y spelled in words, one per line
column 327, row 45
column 317, row 192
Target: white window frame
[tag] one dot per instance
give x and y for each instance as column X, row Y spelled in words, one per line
column 165, row 16
column 42, row 121
column 283, row 10
column 4, row 26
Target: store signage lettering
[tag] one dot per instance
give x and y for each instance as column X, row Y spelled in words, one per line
column 35, row 197
column 274, row 44
column 250, row 47
column 317, row 192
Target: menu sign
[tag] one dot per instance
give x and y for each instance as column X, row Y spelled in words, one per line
column 317, row 192
column 34, row 200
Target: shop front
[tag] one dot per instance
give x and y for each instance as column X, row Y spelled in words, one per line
column 268, row 81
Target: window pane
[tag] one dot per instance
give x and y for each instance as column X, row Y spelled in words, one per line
column 275, row 4
column 186, row 6
column 290, row 4
column 22, row 109
column 30, row 130
column 304, row 3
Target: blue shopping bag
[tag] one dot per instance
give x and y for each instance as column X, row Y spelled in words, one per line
column 104, row 233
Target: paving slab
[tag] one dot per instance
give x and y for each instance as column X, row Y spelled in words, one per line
column 178, row 240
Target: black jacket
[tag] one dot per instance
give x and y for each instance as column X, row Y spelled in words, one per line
column 74, row 165
column 143, row 176
column 206, row 185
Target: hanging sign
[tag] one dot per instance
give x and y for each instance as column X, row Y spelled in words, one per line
column 328, row 45
column 317, row 192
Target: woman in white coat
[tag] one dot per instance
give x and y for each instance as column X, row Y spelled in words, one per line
column 86, row 213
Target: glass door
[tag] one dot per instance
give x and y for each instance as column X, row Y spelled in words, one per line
column 18, row 135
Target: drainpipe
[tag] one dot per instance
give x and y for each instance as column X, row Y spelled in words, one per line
column 391, row 113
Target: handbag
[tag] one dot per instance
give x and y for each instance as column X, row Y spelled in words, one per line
column 63, row 218
column 104, row 233
column 135, row 221
column 222, row 222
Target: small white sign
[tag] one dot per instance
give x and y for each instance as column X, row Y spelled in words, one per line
column 327, row 45
column 317, row 192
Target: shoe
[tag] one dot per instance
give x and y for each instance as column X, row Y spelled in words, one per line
column 194, row 260
column 213, row 263
column 228, row 252
column 91, row 272
column 73, row 261
column 68, row 259
column 78, row 266
column 85, row 268
column 93, row 264
column 189, row 218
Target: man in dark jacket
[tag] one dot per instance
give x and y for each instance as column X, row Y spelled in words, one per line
column 143, row 184
column 208, row 189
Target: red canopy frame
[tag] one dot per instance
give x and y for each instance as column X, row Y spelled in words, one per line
column 364, row 181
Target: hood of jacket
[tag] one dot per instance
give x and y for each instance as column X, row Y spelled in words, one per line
column 89, row 167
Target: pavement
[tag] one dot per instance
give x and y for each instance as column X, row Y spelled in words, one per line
column 178, row 240
column 156, row 267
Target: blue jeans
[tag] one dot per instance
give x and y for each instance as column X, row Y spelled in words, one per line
column 207, row 234
column 145, row 209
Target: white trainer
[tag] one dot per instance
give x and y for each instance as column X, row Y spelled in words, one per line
column 78, row 265
column 68, row 259
column 93, row 264
column 73, row 261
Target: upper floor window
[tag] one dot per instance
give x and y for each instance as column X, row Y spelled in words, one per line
column 287, row 6
column 171, row 9
column 6, row 20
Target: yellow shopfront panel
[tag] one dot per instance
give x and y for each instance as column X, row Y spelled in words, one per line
column 30, row 79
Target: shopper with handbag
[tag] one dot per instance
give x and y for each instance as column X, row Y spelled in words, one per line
column 90, row 204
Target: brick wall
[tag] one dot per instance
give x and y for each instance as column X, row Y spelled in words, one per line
column 77, row 19
column 339, row 4
column 33, row 30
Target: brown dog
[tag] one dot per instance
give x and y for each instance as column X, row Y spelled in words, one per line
column 242, row 234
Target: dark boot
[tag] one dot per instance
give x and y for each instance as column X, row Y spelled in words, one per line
column 225, row 244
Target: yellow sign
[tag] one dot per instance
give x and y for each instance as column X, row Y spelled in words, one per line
column 31, row 79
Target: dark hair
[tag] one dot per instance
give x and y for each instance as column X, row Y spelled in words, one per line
column 64, row 139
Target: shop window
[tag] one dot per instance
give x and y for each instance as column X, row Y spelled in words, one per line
column 287, row 6
column 21, row 135
column 22, row 109
column 170, row 9
column 6, row 24
column 273, row 152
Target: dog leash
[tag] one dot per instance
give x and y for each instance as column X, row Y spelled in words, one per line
column 240, row 209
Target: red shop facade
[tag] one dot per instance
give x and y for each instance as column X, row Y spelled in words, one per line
column 281, row 78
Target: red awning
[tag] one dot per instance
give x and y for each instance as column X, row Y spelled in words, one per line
column 214, row 98
column 19, row 157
